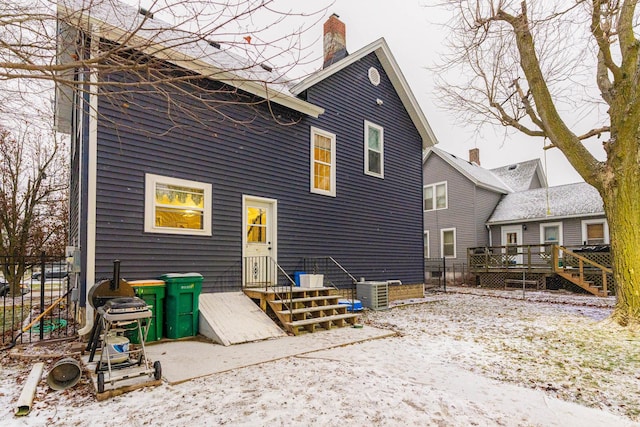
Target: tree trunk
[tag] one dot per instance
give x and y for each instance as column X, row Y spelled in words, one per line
column 622, row 202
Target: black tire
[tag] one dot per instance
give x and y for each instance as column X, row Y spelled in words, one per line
column 101, row 382
column 158, row 370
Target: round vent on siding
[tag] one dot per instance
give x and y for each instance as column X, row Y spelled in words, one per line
column 374, row 76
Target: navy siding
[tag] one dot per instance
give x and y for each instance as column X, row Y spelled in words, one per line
column 373, row 227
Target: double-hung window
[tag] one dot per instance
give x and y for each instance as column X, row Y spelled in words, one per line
column 435, row 196
column 448, row 242
column 373, row 149
column 551, row 233
column 177, row 206
column 323, row 162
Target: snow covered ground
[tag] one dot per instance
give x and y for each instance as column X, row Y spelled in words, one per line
column 459, row 359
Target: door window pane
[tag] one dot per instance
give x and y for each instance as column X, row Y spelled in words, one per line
column 256, row 225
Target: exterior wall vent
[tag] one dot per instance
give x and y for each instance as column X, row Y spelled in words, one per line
column 374, row 76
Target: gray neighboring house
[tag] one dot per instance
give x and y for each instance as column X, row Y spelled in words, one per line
column 468, row 206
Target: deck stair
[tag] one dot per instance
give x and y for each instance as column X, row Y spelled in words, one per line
column 587, row 285
column 301, row 310
column 576, row 268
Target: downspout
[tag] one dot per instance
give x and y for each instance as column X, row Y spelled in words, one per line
column 91, row 191
column 490, row 237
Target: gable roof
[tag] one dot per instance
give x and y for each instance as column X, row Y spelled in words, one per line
column 121, row 23
column 519, row 176
column 391, row 68
column 563, row 201
column 478, row 175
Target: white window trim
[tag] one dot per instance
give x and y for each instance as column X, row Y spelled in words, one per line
column 312, row 158
column 446, row 194
column 586, row 222
column 455, row 248
column 551, row 224
column 149, row 205
column 367, row 125
column 426, row 244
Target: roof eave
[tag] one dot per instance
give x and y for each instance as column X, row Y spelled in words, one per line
column 443, row 155
column 545, row 218
column 260, row 89
column 398, row 81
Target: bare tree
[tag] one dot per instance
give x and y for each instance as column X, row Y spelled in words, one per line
column 113, row 49
column 78, row 44
column 33, row 199
column 531, row 65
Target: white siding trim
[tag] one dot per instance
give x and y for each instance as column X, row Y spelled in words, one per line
column 426, row 244
column 552, row 224
column 149, row 205
column 433, row 192
column 92, row 178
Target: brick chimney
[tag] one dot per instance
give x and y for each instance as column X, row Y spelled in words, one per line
column 474, row 156
column 335, row 40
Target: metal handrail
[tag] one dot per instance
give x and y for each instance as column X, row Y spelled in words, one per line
column 269, row 264
column 353, row 279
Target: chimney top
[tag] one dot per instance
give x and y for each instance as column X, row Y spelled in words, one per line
column 334, row 41
column 474, row 156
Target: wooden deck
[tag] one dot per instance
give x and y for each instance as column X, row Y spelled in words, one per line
column 587, row 267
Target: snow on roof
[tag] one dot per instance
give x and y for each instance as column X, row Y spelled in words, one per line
column 478, row 175
column 122, row 23
column 571, row 200
column 518, row 176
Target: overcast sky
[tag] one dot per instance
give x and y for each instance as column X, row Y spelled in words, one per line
column 415, row 37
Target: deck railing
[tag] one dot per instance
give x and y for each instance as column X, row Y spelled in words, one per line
column 265, row 272
column 514, row 257
column 588, row 267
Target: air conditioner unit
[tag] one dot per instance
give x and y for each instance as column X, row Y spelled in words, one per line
column 373, row 295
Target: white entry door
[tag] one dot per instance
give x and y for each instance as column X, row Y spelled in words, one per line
column 259, row 245
column 512, row 236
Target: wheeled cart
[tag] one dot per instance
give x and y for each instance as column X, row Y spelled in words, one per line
column 117, row 360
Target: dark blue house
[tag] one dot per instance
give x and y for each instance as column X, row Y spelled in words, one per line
column 331, row 166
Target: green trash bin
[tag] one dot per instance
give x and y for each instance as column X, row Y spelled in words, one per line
column 153, row 293
column 181, row 304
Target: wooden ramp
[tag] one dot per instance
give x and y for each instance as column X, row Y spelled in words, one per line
column 232, row 318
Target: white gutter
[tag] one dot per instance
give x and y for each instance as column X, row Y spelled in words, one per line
column 90, row 273
column 96, row 26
